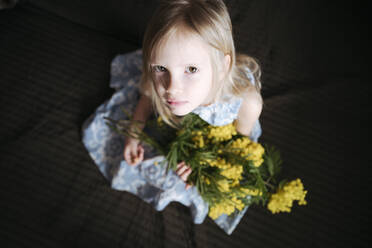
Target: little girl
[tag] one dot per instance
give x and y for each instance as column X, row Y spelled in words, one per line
column 189, row 65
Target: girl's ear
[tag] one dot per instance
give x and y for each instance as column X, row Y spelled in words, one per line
column 226, row 65
column 227, row 62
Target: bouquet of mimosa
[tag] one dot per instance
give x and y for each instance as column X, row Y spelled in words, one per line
column 229, row 170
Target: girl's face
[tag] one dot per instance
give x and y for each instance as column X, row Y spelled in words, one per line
column 183, row 72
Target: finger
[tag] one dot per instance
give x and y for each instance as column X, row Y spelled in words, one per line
column 125, row 153
column 180, row 167
column 181, row 170
column 186, row 174
column 180, row 164
column 127, row 156
column 132, row 158
column 135, row 158
column 141, row 152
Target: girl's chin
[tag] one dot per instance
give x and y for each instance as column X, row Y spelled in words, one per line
column 180, row 112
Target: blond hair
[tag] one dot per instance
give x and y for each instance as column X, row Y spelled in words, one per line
column 211, row 21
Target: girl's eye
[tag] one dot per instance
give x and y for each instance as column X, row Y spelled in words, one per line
column 191, row 69
column 158, row 68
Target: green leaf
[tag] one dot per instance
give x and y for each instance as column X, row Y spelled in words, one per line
column 270, row 166
column 282, row 183
column 126, row 112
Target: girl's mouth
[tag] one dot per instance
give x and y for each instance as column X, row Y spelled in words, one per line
column 175, row 103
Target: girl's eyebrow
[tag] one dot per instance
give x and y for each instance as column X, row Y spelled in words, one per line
column 186, row 64
column 152, row 64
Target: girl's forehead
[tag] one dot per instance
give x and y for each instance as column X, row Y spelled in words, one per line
column 181, row 47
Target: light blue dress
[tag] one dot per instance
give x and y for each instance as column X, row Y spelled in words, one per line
column 147, row 180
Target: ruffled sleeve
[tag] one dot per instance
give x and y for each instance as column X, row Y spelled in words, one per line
column 220, row 113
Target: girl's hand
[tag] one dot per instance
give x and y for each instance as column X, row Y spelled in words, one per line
column 183, row 171
column 133, row 151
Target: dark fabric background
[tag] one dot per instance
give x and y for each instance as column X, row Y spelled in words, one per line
column 54, row 72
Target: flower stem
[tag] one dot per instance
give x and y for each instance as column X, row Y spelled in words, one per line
column 269, row 185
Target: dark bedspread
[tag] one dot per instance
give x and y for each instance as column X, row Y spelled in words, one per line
column 54, row 72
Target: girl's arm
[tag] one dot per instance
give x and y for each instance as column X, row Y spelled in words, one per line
column 133, row 151
column 143, row 109
column 144, row 106
column 249, row 112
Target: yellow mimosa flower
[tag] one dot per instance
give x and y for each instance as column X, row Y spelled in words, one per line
column 223, row 185
column 249, row 149
column 221, row 133
column 252, row 192
column 282, row 201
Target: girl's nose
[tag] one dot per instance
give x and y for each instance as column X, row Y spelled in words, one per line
column 174, row 86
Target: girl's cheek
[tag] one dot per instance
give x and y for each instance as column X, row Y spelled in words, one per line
column 159, row 87
column 161, row 80
column 192, row 81
column 158, row 76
